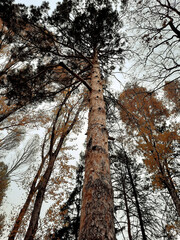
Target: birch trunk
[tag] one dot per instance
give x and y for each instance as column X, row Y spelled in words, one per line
column 97, row 219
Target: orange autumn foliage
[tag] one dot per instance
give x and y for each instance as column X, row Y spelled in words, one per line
column 145, row 117
column 4, row 106
column 172, row 92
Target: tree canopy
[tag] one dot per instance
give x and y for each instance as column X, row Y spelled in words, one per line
column 56, row 66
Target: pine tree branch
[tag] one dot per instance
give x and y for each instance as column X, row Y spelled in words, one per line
column 75, row 75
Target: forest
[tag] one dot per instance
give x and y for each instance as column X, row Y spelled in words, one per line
column 90, row 120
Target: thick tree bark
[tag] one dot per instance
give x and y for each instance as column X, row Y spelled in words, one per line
column 97, row 218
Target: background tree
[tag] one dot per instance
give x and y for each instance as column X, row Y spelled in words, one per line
column 145, row 119
column 70, row 210
column 92, row 35
column 123, row 156
column 4, row 182
column 157, row 32
column 64, row 121
column 172, row 93
column 139, row 211
column 21, row 82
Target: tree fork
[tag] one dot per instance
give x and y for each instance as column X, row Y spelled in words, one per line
column 97, row 218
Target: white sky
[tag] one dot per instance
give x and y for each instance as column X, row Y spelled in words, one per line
column 52, row 3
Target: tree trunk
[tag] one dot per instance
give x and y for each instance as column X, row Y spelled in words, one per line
column 169, row 185
column 136, row 200
column 24, row 208
column 168, row 182
column 38, row 202
column 31, row 231
column 127, row 210
column 32, row 191
column 97, row 216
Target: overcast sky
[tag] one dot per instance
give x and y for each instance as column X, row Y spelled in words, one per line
column 38, row 2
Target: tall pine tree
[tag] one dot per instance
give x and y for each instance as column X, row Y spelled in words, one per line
column 85, row 41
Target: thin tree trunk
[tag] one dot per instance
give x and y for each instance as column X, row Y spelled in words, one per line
column 31, row 231
column 168, row 182
column 136, row 200
column 169, row 185
column 32, row 191
column 127, row 210
column 34, row 186
column 97, row 218
column 38, row 202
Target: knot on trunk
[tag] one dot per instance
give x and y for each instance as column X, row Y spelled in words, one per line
column 98, row 148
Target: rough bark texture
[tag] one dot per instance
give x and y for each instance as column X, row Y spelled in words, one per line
column 97, row 219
